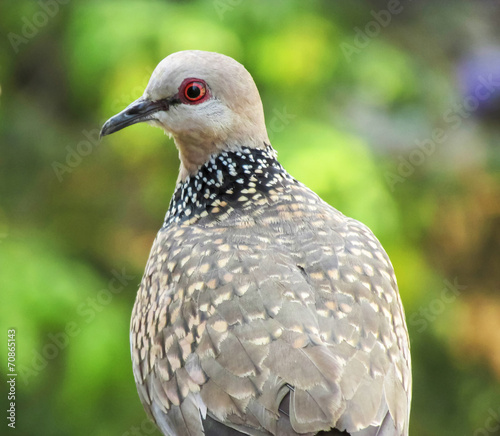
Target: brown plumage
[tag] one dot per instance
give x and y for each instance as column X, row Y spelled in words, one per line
column 262, row 310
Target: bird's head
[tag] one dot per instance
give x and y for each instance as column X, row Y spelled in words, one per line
column 206, row 101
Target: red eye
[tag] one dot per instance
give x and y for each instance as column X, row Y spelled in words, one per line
column 195, row 91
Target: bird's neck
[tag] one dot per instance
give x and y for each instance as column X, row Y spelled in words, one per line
column 227, row 181
column 194, row 151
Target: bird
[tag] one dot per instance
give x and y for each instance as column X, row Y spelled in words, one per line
column 262, row 310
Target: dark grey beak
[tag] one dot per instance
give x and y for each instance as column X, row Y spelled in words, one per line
column 137, row 112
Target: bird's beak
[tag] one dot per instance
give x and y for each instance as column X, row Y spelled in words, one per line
column 140, row 110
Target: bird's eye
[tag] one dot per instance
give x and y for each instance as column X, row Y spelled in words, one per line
column 195, row 91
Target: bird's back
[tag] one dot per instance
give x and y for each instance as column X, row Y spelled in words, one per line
column 264, row 310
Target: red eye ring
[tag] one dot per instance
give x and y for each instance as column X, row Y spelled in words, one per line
column 195, row 91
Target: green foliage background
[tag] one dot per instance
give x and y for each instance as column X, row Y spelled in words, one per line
column 344, row 110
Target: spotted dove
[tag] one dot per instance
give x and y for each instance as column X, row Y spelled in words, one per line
column 262, row 310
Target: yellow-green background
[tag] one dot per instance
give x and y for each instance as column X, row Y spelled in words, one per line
column 72, row 213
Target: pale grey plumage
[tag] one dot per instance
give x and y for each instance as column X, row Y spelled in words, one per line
column 262, row 310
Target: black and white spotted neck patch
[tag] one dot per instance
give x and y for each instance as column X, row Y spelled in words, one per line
column 230, row 178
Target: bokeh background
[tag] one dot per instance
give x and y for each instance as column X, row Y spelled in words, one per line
column 388, row 109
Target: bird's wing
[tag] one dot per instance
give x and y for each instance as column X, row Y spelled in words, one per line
column 243, row 321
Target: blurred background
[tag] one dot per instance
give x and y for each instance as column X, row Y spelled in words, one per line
column 388, row 109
